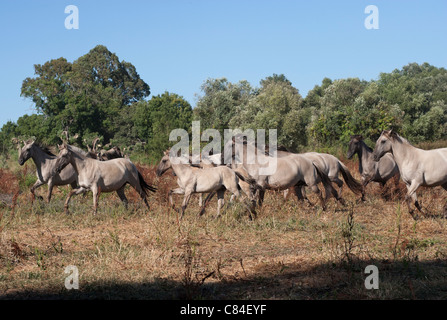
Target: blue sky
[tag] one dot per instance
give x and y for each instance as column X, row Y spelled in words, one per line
column 176, row 45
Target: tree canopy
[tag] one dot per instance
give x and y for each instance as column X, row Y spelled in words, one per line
column 99, row 95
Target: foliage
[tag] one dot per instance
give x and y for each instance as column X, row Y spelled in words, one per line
column 86, row 95
column 99, row 95
column 155, row 119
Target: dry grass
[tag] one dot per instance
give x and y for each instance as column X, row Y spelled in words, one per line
column 290, row 252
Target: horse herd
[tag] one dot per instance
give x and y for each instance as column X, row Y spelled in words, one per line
column 393, row 156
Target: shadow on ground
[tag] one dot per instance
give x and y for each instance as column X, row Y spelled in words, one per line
column 342, row 281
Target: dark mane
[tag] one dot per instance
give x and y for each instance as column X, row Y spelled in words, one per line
column 45, row 148
column 367, row 147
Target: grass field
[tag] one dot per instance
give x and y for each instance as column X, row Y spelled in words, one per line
column 291, row 251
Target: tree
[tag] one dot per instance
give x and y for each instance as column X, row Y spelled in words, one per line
column 336, row 105
column 156, row 118
column 416, row 89
column 87, row 94
column 277, row 105
column 7, row 132
column 218, row 105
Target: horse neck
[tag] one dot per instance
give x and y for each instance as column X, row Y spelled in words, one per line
column 365, row 156
column 40, row 157
column 78, row 161
column 400, row 150
column 181, row 170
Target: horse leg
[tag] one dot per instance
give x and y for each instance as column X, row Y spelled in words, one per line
column 220, row 201
column 317, row 191
column 207, row 200
column 411, row 195
column 300, row 194
column 365, row 182
column 188, row 194
column 174, row 191
column 339, row 183
column 261, row 194
column 36, row 185
column 329, row 189
column 96, row 192
column 50, row 190
column 122, row 196
column 72, row 192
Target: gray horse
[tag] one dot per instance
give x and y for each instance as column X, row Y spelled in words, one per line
column 101, row 176
column 45, row 162
column 378, row 171
column 417, row 167
column 277, row 173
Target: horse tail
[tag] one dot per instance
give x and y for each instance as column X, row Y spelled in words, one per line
column 144, row 185
column 352, row 183
column 327, row 183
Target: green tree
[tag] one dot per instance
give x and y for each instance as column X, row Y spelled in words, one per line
column 332, row 119
column 87, row 94
column 276, row 105
column 156, row 118
column 7, row 132
column 219, row 102
column 416, row 89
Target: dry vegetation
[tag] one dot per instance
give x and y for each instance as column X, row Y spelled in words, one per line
column 290, row 252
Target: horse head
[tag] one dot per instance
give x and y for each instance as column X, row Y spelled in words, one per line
column 63, row 158
column 26, row 151
column 384, row 144
column 164, row 165
column 354, row 145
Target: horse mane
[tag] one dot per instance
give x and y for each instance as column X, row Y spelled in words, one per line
column 77, row 150
column 368, row 148
column 45, row 148
column 399, row 138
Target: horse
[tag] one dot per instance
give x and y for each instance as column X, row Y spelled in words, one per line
column 202, row 180
column 370, row 170
column 332, row 167
column 101, row 176
column 292, row 170
column 417, row 167
column 45, row 162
